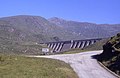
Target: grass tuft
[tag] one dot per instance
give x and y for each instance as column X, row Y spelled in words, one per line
column 27, row 67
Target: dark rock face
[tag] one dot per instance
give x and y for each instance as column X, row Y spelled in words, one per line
column 111, row 54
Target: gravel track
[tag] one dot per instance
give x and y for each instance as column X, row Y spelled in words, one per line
column 83, row 64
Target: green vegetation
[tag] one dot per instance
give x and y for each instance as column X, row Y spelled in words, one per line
column 96, row 46
column 77, row 50
column 111, row 54
column 71, row 51
column 12, row 66
column 12, row 47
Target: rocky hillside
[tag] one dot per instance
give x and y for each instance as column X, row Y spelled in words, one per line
column 19, row 34
column 87, row 30
column 111, row 54
column 32, row 28
column 39, row 29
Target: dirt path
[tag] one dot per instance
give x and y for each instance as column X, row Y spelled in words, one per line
column 83, row 64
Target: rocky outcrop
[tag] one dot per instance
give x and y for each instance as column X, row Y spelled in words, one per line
column 110, row 56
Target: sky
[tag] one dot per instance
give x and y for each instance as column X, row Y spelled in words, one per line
column 94, row 11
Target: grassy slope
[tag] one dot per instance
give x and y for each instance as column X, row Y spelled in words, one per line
column 15, row 47
column 72, row 51
column 96, row 46
column 26, row 67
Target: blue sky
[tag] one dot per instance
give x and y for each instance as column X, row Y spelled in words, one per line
column 95, row 11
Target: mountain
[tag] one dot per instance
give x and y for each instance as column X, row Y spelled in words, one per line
column 20, row 34
column 38, row 29
column 32, row 28
column 87, row 30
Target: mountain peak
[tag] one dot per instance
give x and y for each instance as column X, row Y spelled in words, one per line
column 57, row 19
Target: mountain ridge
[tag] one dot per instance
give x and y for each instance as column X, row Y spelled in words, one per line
column 36, row 25
column 96, row 30
column 57, row 29
column 21, row 34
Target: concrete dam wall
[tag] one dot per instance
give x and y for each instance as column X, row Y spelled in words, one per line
column 72, row 44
